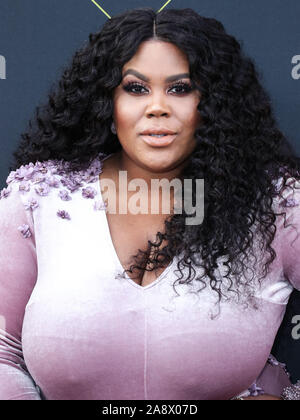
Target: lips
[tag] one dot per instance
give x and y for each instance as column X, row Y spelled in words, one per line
column 158, row 131
column 159, row 141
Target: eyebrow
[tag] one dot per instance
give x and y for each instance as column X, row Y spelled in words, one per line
column 146, row 79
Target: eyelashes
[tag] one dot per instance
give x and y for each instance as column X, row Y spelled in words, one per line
column 130, row 86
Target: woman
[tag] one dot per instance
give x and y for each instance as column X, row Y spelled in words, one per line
column 98, row 304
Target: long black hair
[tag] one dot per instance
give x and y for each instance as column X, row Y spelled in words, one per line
column 240, row 151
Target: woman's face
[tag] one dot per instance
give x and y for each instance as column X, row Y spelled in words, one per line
column 156, row 102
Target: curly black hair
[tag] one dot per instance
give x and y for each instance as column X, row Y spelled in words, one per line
column 240, row 150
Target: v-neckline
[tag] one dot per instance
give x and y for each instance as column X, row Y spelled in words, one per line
column 117, row 260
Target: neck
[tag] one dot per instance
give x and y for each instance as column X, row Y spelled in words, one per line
column 134, row 171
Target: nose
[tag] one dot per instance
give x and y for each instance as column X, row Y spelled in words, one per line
column 157, row 106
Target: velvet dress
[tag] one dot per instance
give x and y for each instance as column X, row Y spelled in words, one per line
column 72, row 328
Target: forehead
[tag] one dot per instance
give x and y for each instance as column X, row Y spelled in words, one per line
column 158, row 58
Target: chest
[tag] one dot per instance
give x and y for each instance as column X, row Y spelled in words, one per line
column 146, row 339
column 129, row 234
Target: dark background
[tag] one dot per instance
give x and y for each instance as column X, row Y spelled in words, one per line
column 39, row 37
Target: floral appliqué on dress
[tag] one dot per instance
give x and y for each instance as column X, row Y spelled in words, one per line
column 41, row 177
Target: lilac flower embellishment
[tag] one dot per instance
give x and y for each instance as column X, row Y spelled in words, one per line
column 64, row 195
column 37, row 178
column 255, row 390
column 25, row 231
column 88, row 192
column 290, row 202
column 42, row 189
column 5, row 192
column 24, row 172
column 32, row 171
column 91, row 175
column 32, row 204
column 100, row 205
column 272, row 361
column 24, row 186
column 11, row 177
column 52, row 181
column 63, row 214
column 72, row 182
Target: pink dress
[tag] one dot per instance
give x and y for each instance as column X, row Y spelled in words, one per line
column 71, row 328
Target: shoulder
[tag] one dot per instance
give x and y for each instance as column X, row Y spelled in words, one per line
column 286, row 207
column 51, row 181
column 44, row 177
column 32, row 181
column 287, row 194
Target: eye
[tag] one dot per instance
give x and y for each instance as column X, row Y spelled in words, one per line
column 186, row 87
column 135, row 87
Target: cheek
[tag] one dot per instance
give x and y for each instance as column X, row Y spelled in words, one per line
column 190, row 114
column 191, row 121
column 121, row 120
column 124, row 116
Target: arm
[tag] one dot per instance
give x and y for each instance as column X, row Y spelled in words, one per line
column 270, row 384
column 274, row 379
column 18, row 273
